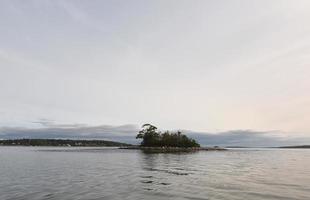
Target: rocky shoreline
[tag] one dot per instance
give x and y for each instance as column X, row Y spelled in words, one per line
column 173, row 149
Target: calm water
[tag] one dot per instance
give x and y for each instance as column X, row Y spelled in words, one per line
column 104, row 173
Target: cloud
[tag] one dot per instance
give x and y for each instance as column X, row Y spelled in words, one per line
column 247, row 138
column 179, row 64
column 126, row 133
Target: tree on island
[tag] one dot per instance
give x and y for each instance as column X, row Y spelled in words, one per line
column 151, row 137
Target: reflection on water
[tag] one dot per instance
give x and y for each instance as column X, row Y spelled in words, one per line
column 110, row 173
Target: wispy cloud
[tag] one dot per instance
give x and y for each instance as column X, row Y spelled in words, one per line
column 80, row 15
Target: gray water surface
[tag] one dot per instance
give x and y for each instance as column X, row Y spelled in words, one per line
column 108, row 173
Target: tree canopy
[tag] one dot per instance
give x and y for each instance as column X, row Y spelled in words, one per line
column 151, row 137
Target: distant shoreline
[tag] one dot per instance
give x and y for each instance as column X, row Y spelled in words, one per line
column 279, row 147
column 61, row 143
column 295, row 147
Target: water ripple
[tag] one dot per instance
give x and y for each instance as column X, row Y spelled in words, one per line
column 98, row 173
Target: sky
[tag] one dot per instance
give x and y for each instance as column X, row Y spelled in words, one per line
column 212, row 67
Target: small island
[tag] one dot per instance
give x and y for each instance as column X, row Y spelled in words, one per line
column 158, row 142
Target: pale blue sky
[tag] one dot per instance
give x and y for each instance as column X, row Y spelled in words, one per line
column 197, row 65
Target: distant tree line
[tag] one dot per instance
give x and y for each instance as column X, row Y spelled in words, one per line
column 151, row 137
column 59, row 142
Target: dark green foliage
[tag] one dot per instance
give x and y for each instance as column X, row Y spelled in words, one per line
column 149, row 135
column 57, row 142
column 153, row 138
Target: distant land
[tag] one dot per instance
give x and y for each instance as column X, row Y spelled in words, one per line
column 61, row 142
column 281, row 147
column 296, row 147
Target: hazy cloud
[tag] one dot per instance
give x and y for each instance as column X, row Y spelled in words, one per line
column 127, row 133
column 247, row 138
column 49, row 129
